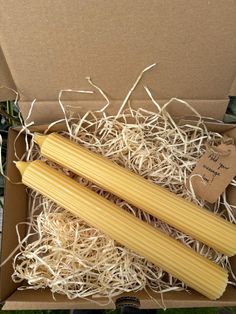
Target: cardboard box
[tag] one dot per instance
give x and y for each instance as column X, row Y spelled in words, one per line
column 47, row 46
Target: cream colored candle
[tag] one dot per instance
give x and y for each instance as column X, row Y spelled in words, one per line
column 180, row 261
column 185, row 216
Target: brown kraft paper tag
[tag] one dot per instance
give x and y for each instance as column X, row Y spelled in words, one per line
column 213, row 172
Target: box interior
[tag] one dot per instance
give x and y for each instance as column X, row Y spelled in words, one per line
column 49, row 46
column 16, row 211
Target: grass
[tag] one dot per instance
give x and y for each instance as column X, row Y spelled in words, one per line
column 198, row 311
column 37, row 312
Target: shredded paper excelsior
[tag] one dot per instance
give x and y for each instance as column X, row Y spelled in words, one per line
column 62, row 252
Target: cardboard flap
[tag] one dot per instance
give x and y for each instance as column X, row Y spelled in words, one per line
column 232, row 91
column 54, row 45
column 5, row 80
column 40, row 112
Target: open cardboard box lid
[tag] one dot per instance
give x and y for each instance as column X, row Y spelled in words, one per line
column 46, row 46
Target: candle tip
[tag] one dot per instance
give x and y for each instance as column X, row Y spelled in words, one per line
column 21, row 166
column 39, row 138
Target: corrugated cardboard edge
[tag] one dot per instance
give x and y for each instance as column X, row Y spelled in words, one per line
column 41, row 115
column 43, row 300
column 213, row 126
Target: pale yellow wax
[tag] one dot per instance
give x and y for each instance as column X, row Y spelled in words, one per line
column 197, row 222
column 180, row 261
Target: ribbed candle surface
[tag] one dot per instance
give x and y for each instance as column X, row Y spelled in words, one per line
column 183, row 263
column 185, row 216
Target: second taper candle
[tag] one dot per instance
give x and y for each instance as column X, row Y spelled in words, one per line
column 182, row 262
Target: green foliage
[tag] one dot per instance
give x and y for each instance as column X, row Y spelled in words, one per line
column 37, row 312
column 230, row 116
column 9, row 117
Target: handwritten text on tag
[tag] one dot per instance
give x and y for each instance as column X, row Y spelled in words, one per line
column 214, row 171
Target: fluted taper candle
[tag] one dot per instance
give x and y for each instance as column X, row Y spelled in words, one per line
column 187, row 217
column 183, row 263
